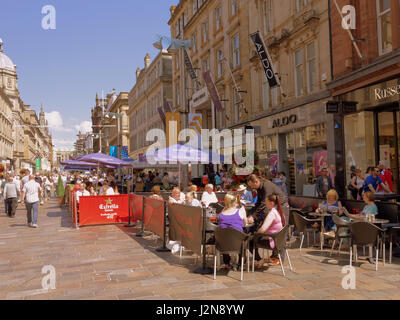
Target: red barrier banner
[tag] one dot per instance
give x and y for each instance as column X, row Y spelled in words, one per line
column 136, row 203
column 186, row 226
column 154, row 216
column 98, row 210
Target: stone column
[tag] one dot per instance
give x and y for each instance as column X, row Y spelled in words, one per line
column 395, row 12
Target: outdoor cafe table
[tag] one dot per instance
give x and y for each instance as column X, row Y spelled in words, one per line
column 320, row 217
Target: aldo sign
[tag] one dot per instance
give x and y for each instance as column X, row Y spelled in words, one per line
column 284, row 121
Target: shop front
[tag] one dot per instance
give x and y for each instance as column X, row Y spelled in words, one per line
column 372, row 131
column 296, row 142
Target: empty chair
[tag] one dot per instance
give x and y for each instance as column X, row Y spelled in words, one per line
column 302, row 225
column 261, row 240
column 393, row 232
column 342, row 231
column 230, row 241
column 364, row 234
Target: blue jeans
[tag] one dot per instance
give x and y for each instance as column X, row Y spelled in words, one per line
column 29, row 207
column 6, row 205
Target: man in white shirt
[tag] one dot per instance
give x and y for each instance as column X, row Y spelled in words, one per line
column 30, row 193
column 208, row 196
column 17, row 182
column 82, row 192
column 177, row 197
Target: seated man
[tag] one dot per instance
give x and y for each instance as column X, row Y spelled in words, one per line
column 246, row 195
column 81, row 192
column 208, row 196
column 177, row 197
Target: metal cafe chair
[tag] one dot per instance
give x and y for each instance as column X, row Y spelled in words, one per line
column 364, row 234
column 342, row 231
column 261, row 240
column 302, row 226
column 230, row 241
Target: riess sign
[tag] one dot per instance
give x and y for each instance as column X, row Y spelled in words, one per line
column 263, row 54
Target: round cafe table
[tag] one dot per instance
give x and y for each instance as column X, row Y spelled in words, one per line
column 320, row 217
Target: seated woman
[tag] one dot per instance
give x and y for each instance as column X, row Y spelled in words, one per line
column 334, row 206
column 369, row 209
column 230, row 218
column 273, row 223
column 156, row 193
column 193, row 189
column 190, row 200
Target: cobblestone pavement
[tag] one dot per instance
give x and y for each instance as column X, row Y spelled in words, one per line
column 110, row 262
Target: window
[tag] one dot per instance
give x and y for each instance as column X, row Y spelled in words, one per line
column 218, row 17
column 267, row 9
column 234, row 7
column 236, row 105
column 300, row 4
column 384, row 26
column 266, row 95
column 220, row 62
column 235, row 51
column 299, row 73
column 194, row 43
column 178, row 97
column 311, row 72
column 206, row 65
column 194, row 7
column 205, row 31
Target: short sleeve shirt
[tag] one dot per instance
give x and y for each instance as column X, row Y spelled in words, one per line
column 373, row 181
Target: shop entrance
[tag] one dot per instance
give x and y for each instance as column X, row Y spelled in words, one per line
column 387, row 124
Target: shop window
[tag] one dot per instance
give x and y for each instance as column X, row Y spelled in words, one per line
column 384, row 26
column 299, row 72
column 359, row 138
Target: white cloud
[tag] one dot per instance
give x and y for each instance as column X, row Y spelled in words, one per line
column 56, row 122
column 64, row 143
column 84, row 127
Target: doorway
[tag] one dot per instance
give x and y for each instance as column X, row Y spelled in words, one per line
column 387, row 131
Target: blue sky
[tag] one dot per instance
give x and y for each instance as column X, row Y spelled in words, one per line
column 97, row 45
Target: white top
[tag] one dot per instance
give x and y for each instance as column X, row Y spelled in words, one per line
column 209, row 198
column 195, row 203
column 31, row 190
column 25, row 180
column 110, row 192
column 180, row 201
column 80, row 193
column 17, row 183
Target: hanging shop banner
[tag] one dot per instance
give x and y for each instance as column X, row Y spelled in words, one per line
column 136, row 203
column 320, row 161
column 37, row 163
column 114, row 151
column 124, row 152
column 162, row 115
column 185, row 226
column 196, row 123
column 154, row 216
column 167, row 107
column 171, row 131
column 213, row 91
column 265, row 59
column 189, row 65
column 99, row 210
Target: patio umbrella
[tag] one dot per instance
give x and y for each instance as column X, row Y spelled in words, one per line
column 101, row 158
column 184, row 154
column 84, row 164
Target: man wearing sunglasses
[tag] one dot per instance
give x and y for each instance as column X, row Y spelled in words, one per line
column 373, row 181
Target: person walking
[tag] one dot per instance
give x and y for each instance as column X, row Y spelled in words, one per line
column 11, row 197
column 3, row 184
column 30, row 193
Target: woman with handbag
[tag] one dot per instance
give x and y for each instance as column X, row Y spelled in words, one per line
column 356, row 185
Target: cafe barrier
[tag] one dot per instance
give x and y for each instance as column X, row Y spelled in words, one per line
column 135, row 209
column 101, row 210
column 186, row 226
column 155, row 220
